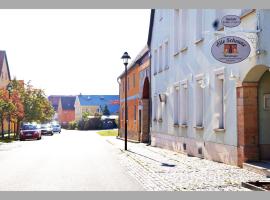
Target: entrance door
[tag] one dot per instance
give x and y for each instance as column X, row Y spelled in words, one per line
column 264, row 116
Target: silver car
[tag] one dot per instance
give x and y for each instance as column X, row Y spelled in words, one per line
column 56, row 128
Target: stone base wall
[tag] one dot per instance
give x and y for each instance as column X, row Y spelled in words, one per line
column 202, row 149
column 131, row 135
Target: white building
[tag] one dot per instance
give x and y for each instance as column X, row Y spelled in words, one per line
column 202, row 106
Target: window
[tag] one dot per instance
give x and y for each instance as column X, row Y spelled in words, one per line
column 135, row 112
column 183, row 29
column 160, row 13
column 219, row 15
column 160, row 58
column 219, row 101
column 199, row 25
column 176, row 30
column 184, row 104
column 176, row 105
column 155, row 61
column 166, row 56
column 199, row 101
column 134, row 80
column 155, row 107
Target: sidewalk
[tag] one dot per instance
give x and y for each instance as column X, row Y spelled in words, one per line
column 163, row 170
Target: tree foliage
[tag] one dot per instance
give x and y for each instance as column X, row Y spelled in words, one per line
column 106, row 111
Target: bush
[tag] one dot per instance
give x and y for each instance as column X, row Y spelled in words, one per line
column 72, row 125
column 81, row 124
column 64, row 125
column 93, row 124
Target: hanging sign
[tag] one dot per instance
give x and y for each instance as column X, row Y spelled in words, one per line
column 231, row 21
column 230, row 49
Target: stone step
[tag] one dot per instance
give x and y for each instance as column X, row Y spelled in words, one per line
column 262, row 167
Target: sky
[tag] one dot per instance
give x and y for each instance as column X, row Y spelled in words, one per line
column 68, row 52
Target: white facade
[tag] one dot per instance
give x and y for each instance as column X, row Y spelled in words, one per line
column 200, row 108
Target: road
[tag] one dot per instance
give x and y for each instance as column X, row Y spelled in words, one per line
column 72, row 160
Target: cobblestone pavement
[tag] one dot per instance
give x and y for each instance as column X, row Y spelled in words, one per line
column 163, row 170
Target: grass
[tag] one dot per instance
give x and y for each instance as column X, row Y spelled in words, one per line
column 6, row 139
column 108, row 133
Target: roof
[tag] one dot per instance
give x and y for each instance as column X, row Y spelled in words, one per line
column 142, row 53
column 67, row 102
column 112, row 101
column 152, row 15
column 54, row 99
column 3, row 56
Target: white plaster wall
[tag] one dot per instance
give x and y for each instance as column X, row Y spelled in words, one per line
column 198, row 60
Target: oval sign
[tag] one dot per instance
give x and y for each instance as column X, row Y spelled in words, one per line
column 230, row 49
column 231, row 21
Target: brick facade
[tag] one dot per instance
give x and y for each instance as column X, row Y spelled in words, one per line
column 247, row 126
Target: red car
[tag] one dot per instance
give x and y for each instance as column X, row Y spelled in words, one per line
column 30, row 131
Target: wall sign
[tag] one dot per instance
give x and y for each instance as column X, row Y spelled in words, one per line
column 231, row 21
column 230, row 49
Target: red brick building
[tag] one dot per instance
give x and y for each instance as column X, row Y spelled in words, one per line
column 138, row 103
column 66, row 109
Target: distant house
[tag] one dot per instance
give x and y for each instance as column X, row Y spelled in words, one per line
column 5, row 78
column 95, row 104
column 66, row 110
column 4, row 70
column 54, row 99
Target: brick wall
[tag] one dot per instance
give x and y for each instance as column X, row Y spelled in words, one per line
column 247, row 118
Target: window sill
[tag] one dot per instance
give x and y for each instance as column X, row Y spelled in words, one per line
column 176, row 125
column 160, row 120
column 184, row 49
column 176, row 53
column 199, row 127
column 199, row 41
column 183, row 125
column 220, row 130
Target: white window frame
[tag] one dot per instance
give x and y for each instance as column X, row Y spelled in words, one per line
column 160, row 58
column 155, row 61
column 176, row 31
column 166, row 54
column 184, row 105
column 199, row 26
column 176, row 103
column 183, row 30
column 199, row 102
column 220, row 100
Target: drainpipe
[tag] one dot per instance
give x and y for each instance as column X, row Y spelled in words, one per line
column 150, row 100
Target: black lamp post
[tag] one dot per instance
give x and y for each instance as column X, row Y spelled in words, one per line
column 125, row 58
column 9, row 89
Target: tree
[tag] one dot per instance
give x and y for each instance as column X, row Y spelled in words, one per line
column 85, row 115
column 106, row 111
column 6, row 108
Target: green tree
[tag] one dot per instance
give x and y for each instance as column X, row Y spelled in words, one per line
column 85, row 115
column 106, row 111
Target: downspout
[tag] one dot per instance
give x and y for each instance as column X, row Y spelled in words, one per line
column 150, row 100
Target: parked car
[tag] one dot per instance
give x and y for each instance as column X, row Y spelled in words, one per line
column 30, row 131
column 46, row 129
column 56, row 128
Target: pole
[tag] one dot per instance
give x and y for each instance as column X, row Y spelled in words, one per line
column 126, row 114
column 9, row 118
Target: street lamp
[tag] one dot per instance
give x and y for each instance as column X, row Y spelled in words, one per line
column 125, row 58
column 9, row 89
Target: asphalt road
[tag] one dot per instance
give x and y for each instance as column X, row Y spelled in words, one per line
column 72, row 160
